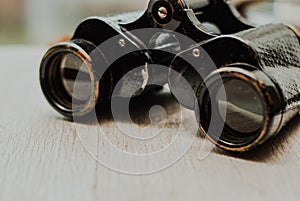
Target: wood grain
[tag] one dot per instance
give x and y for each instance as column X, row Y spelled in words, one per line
column 42, row 158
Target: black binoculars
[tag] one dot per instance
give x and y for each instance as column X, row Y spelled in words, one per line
column 242, row 80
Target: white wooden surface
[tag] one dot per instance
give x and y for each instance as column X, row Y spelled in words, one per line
column 42, row 158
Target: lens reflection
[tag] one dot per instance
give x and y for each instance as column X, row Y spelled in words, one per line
column 75, row 77
column 243, row 106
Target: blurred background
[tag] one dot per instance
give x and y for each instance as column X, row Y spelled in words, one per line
column 46, row 21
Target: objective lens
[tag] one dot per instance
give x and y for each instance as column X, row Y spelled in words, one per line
column 75, row 77
column 67, row 78
column 232, row 98
column 70, row 79
column 244, row 111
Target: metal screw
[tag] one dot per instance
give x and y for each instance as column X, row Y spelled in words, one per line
column 122, row 42
column 162, row 12
column 196, row 53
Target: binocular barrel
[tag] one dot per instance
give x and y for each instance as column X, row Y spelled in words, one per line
column 253, row 103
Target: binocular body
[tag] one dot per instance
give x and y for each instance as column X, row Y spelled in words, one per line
column 79, row 74
column 104, row 49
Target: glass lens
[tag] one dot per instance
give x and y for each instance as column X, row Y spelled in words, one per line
column 75, row 77
column 242, row 106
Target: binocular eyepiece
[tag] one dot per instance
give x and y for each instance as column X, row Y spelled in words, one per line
column 243, row 94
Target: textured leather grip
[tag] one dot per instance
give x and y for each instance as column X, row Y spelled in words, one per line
column 278, row 51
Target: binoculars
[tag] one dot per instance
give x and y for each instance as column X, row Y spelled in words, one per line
column 242, row 80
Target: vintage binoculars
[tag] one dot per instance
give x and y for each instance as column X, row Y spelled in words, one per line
column 104, row 49
column 244, row 79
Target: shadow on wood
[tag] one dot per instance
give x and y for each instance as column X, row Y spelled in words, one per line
column 160, row 103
